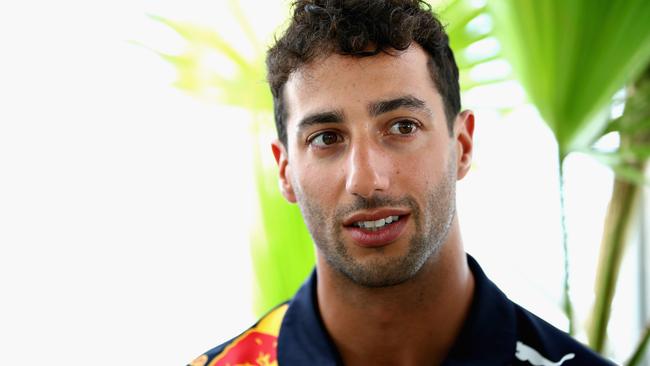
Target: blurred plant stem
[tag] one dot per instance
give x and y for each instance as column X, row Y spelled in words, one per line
column 571, row 57
column 637, row 357
column 567, row 305
column 623, row 206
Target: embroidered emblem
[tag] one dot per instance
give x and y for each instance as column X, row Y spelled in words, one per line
column 526, row 353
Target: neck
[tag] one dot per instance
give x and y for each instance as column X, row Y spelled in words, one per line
column 412, row 323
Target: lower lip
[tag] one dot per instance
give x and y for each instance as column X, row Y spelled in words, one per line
column 377, row 238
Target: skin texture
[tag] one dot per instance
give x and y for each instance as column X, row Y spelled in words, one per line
column 408, row 297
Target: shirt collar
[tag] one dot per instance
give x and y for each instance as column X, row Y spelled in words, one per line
column 487, row 337
column 303, row 339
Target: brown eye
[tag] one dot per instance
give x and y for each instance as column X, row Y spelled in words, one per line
column 326, row 138
column 403, row 127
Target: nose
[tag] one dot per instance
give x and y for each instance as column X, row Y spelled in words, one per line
column 368, row 170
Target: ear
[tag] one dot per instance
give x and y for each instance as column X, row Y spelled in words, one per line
column 464, row 133
column 281, row 157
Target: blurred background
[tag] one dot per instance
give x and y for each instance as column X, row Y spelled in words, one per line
column 139, row 216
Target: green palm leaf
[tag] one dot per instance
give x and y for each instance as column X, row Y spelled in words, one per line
column 572, row 56
column 281, row 247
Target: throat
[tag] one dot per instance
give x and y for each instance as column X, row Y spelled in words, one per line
column 414, row 323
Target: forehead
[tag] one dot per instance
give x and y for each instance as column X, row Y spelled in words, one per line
column 346, row 83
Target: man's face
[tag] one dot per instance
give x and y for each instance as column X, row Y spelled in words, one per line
column 371, row 163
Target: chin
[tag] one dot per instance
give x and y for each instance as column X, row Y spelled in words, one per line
column 379, row 272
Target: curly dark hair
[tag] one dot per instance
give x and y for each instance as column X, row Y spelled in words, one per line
column 352, row 27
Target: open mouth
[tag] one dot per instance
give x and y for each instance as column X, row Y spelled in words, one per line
column 376, row 230
column 376, row 224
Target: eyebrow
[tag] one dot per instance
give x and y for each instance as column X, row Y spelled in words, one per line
column 406, row 101
column 320, row 118
column 374, row 108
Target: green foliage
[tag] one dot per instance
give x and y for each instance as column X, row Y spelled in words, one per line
column 281, row 247
column 629, row 163
column 641, row 348
column 282, row 250
column 633, row 128
column 458, row 17
column 246, row 88
column 572, row 56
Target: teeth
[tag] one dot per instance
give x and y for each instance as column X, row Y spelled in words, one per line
column 376, row 224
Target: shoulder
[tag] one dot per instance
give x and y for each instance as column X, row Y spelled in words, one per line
column 255, row 345
column 540, row 343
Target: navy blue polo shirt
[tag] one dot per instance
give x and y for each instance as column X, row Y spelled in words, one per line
column 496, row 332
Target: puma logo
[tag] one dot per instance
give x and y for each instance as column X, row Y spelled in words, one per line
column 525, row 353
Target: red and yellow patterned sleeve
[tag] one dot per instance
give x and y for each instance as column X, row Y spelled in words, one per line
column 255, row 347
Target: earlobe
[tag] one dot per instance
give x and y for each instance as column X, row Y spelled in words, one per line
column 284, row 174
column 464, row 142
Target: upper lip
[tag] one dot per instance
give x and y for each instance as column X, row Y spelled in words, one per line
column 374, row 215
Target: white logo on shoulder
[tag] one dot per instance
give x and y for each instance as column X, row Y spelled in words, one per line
column 525, row 353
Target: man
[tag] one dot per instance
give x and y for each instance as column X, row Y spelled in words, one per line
column 371, row 141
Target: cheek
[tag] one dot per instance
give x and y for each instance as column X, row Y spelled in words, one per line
column 318, row 183
column 423, row 172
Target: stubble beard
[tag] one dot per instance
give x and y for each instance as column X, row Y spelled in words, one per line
column 431, row 230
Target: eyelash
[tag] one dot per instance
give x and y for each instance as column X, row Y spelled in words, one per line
column 416, row 126
column 310, row 140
